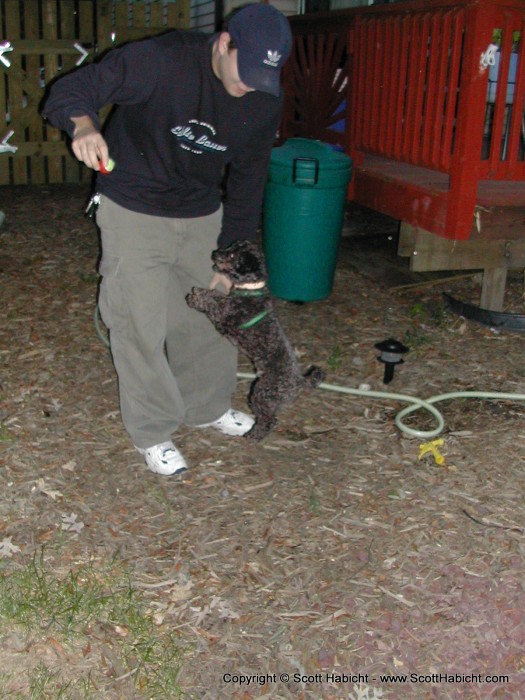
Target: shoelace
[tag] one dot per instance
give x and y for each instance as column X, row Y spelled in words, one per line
column 166, row 451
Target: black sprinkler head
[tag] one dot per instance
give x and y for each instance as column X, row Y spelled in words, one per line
column 391, row 351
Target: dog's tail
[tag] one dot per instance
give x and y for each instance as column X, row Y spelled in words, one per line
column 314, row 376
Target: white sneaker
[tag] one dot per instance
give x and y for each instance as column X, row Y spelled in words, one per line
column 231, row 423
column 164, row 459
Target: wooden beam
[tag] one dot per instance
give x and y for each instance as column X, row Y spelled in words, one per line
column 30, row 47
column 400, row 199
column 42, row 148
column 432, row 253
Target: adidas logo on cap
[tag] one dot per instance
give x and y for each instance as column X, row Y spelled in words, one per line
column 273, row 59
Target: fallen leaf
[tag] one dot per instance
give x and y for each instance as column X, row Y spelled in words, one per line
column 7, row 548
column 181, row 592
column 45, row 489
column 70, row 523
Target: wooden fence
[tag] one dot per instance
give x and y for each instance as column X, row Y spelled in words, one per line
column 41, row 39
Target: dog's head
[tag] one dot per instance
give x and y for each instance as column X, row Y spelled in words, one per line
column 242, row 261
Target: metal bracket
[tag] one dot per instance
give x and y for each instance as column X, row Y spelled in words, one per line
column 82, row 51
column 5, row 147
column 4, row 47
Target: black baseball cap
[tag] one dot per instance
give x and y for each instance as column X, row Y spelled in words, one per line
column 263, row 38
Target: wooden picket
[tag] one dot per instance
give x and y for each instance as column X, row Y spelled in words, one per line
column 43, row 39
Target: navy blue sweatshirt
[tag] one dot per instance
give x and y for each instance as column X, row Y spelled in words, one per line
column 174, row 131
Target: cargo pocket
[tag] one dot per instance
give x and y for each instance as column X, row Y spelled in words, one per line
column 113, row 302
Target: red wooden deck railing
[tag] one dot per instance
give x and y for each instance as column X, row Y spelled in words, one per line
column 409, row 82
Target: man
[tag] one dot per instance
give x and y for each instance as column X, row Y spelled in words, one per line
column 190, row 109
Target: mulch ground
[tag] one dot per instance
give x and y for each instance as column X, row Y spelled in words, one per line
column 333, row 552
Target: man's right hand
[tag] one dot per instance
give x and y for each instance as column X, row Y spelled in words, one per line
column 88, row 144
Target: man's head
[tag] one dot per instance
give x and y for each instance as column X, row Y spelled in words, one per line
column 251, row 53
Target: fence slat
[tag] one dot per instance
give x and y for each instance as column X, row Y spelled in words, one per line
column 517, row 126
column 388, row 79
column 50, row 31
column 458, row 27
column 67, row 32
column 15, row 75
column 376, row 116
column 439, row 70
column 32, row 66
column 139, row 18
column 104, row 26
column 413, row 77
column 4, row 109
column 157, row 14
column 399, row 110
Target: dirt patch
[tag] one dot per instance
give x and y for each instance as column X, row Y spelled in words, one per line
column 332, row 549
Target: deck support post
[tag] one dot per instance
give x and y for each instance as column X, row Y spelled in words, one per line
column 493, row 288
column 429, row 253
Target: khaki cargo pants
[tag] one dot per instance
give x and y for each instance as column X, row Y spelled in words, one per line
column 173, row 367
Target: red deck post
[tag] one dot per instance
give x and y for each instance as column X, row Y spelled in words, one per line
column 466, row 157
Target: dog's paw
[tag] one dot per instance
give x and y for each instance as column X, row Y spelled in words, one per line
column 260, row 430
column 196, row 297
column 254, row 435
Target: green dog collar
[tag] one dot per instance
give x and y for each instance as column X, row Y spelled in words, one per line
column 255, row 320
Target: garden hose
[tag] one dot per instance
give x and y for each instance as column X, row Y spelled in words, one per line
column 416, row 403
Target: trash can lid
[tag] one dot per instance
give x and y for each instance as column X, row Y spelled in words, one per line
column 295, row 148
column 308, row 163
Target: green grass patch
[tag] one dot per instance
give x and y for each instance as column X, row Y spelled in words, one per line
column 93, row 606
column 5, row 435
column 45, row 684
column 335, row 358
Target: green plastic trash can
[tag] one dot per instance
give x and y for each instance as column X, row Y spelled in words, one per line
column 303, row 214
